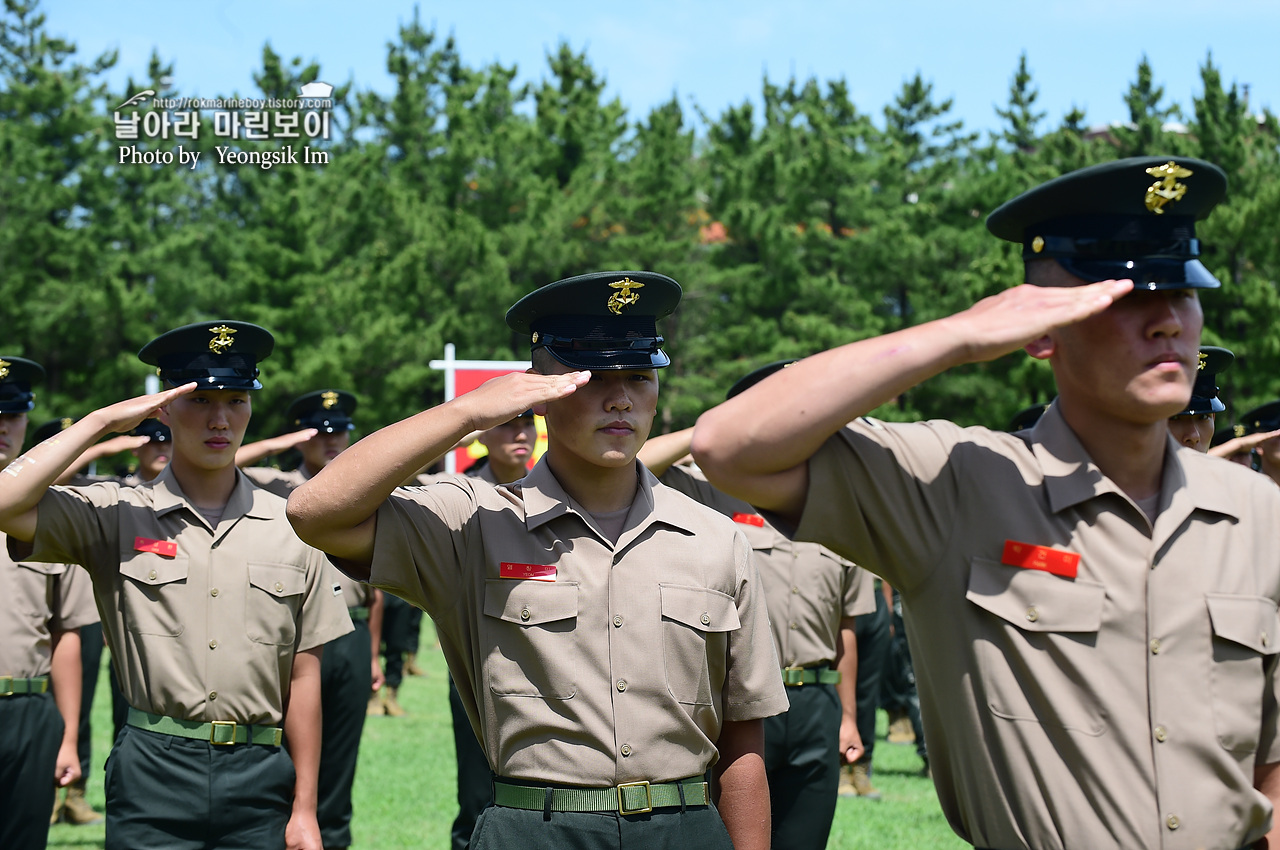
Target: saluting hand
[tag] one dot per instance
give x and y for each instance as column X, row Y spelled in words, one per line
column 130, row 413
column 501, row 399
column 1003, row 323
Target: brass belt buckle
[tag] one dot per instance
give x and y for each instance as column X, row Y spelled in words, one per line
column 624, row 809
column 796, row 680
column 6, row 686
column 223, row 739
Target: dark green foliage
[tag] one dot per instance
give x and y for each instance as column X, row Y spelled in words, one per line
column 793, row 228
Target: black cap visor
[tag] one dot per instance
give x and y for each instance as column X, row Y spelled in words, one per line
column 1148, row 274
column 214, row 379
column 606, row 354
column 328, row 424
column 1200, row 405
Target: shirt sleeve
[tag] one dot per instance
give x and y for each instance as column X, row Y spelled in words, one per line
column 76, row 525
column 753, row 680
column 420, row 543
column 76, row 607
column 324, row 614
column 884, row 495
column 859, row 592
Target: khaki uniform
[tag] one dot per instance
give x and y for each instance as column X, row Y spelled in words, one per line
column 1126, row 707
column 808, row 590
column 39, row 599
column 624, row 665
column 208, row 633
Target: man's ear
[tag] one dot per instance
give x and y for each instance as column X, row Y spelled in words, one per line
column 1041, row 348
column 539, row 409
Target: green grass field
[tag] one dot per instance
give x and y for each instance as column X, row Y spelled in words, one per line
column 404, row 791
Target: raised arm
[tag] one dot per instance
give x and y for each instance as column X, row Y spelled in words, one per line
column 97, row 451
column 660, row 452
column 757, row 445
column 335, row 510
column 24, row 482
column 251, row 453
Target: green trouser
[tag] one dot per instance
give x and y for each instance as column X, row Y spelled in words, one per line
column 874, row 642
column 501, row 828
column 30, row 734
column 170, row 793
column 346, row 680
column 396, row 637
column 475, row 780
column 802, row 762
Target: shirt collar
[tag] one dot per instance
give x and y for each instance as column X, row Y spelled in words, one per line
column 247, row 499
column 545, row 499
column 1071, row 476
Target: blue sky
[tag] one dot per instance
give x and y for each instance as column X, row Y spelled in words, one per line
column 715, row 54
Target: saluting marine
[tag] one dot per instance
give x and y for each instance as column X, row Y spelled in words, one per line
column 1093, row 610
column 607, row 634
column 214, row 610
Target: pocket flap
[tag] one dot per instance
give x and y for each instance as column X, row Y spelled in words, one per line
column 530, row 603
column 761, row 539
column 701, row 608
column 147, row 568
column 1034, row 600
column 1250, row 621
column 278, row 579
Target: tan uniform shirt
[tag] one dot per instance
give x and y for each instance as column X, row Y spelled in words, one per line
column 39, row 599
column 205, row 626
column 355, row 594
column 808, row 589
column 1126, row 707
column 623, row 664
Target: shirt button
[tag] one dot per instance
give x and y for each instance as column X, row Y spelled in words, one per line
column 524, row 614
column 279, row 587
column 213, row 592
column 1263, row 638
column 617, row 620
column 793, row 627
column 213, row 694
column 795, row 589
column 622, row 685
column 152, row 575
column 213, row 644
column 626, row 749
column 1172, row 822
column 1161, row 734
column 1033, row 614
column 706, row 618
column 1155, row 646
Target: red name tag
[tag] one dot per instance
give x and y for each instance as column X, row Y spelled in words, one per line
column 536, row 572
column 749, row 519
column 160, row 547
column 1031, row 557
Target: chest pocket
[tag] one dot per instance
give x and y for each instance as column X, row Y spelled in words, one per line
column 696, row 622
column 1036, row 647
column 528, row 638
column 1245, row 635
column 152, row 591
column 273, row 602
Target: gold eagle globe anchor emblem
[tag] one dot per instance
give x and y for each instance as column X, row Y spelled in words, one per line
column 329, row 399
column 222, row 341
column 625, row 295
column 1166, row 189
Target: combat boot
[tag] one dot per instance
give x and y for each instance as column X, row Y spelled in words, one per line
column 391, row 704
column 900, row 731
column 411, row 667
column 860, row 779
column 77, row 810
column 375, row 708
column 59, row 800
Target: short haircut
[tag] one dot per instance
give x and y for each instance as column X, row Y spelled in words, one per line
column 544, row 363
